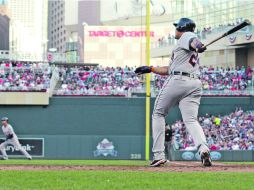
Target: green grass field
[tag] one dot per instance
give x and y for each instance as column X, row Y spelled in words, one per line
column 116, row 180
column 75, row 162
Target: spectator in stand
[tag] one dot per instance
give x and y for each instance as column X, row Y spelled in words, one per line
column 225, row 80
column 23, row 76
column 249, row 72
column 234, row 132
column 97, row 81
column 118, row 81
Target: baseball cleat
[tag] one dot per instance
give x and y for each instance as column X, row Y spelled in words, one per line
column 158, row 163
column 206, row 159
column 30, row 158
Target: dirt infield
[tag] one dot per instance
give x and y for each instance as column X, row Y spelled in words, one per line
column 170, row 167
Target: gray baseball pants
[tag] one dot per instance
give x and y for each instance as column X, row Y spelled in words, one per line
column 15, row 142
column 185, row 92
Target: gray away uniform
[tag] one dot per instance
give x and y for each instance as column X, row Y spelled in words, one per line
column 179, row 90
column 13, row 141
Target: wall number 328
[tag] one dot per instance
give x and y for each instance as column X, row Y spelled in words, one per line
column 135, row 156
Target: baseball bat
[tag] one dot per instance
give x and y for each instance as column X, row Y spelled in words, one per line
column 246, row 22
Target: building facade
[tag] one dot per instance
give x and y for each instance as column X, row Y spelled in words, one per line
column 65, row 26
column 56, row 26
column 119, row 46
column 4, row 26
column 28, row 31
column 212, row 18
column 205, row 13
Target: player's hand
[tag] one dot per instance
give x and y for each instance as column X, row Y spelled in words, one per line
column 201, row 48
column 143, row 70
column 10, row 136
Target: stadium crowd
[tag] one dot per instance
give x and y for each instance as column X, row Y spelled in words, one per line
column 104, row 81
column 97, row 81
column 22, row 76
column 219, row 79
column 226, row 79
column 230, row 132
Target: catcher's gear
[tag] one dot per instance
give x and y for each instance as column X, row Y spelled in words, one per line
column 143, row 69
column 185, row 25
column 10, row 136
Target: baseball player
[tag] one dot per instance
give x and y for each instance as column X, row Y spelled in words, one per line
column 168, row 141
column 11, row 138
column 182, row 88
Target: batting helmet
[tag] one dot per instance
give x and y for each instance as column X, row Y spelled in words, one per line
column 185, row 25
column 4, row 119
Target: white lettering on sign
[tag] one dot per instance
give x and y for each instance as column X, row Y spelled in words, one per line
column 119, row 33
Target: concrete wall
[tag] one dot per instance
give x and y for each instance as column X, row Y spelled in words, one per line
column 241, row 57
column 24, row 98
column 221, row 58
column 251, row 57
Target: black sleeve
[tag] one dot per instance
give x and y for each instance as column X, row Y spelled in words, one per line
column 190, row 47
column 10, row 136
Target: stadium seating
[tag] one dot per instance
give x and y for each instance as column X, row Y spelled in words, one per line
column 109, row 81
column 97, row 81
column 229, row 132
column 24, row 77
column 220, row 81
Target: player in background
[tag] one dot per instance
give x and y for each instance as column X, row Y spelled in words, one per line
column 10, row 138
column 182, row 88
column 168, row 141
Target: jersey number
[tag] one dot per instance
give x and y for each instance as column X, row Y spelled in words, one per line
column 193, row 60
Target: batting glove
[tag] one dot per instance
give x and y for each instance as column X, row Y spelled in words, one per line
column 196, row 45
column 143, row 70
column 201, row 48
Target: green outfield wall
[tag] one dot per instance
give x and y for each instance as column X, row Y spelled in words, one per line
column 96, row 128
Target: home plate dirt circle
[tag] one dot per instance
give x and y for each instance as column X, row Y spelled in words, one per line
column 170, row 167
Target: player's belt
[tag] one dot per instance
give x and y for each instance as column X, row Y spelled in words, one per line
column 184, row 74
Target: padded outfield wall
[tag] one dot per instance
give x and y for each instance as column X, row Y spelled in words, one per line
column 96, row 127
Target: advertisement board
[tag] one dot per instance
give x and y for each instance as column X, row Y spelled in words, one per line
column 34, row 146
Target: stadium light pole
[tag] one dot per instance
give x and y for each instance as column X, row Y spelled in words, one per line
column 148, row 90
